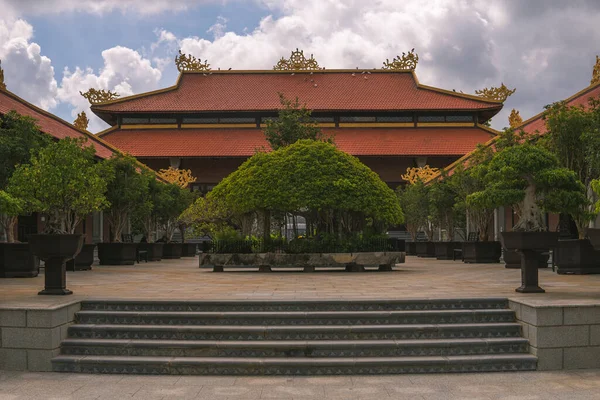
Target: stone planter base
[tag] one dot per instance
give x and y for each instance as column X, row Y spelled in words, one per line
column 577, row 257
column 17, row 261
column 512, row 259
column 154, row 250
column 425, row 249
column 188, row 249
column 481, row 252
column 445, row 250
column 172, row 251
column 117, row 253
column 84, row 260
column 411, row 248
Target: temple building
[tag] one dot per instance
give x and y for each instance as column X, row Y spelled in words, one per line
column 211, row 121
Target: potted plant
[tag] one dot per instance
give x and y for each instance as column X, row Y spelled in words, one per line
column 594, row 233
column 529, row 179
column 144, row 220
column 572, row 136
column 174, row 202
column 414, row 202
column 126, row 192
column 443, row 211
column 64, row 183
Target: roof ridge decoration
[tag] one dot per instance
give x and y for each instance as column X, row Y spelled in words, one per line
column 496, row 93
column 423, row 174
column 82, row 121
column 297, row 62
column 189, row 63
column 2, row 84
column 95, row 96
column 408, row 61
column 514, row 119
column 179, row 177
column 596, row 72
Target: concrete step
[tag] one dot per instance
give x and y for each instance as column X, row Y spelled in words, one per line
column 302, row 332
column 293, row 349
column 292, row 366
column 295, row 317
column 294, row 305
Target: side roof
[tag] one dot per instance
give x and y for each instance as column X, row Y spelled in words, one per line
column 323, row 90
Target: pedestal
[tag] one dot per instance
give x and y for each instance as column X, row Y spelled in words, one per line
column 55, row 277
column 529, row 272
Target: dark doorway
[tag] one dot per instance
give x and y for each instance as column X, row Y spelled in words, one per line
column 27, row 225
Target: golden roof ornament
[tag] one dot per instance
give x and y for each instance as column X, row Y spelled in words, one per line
column 496, row 93
column 82, row 121
column 408, row 61
column 596, row 72
column 297, row 62
column 180, row 177
column 2, row 84
column 514, row 119
column 95, row 96
column 423, row 174
column 189, row 63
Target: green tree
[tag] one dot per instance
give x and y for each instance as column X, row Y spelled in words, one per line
column 443, row 196
column 10, row 208
column 414, row 200
column 530, row 179
column 143, row 218
column 63, row 182
column 127, row 193
column 293, row 123
column 173, row 201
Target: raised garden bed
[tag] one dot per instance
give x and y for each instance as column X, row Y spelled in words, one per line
column 17, row 261
column 577, row 257
column 154, row 251
column 426, row 249
column 445, row 250
column 84, row 260
column 481, row 252
column 189, row 249
column 117, row 253
column 172, row 251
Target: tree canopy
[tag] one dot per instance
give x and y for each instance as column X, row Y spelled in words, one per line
column 414, row 200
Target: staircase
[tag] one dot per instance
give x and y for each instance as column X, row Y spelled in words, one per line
column 294, row 337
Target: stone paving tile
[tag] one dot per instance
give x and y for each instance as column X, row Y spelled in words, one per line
column 344, row 381
column 162, row 392
column 230, row 392
column 356, row 391
column 116, row 391
column 207, row 380
column 292, row 392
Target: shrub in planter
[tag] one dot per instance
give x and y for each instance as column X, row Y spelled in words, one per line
column 414, row 200
column 444, row 212
column 84, row 260
column 577, row 257
column 64, row 183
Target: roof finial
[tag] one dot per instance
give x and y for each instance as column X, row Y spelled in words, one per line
column 514, row 119
column 423, row 174
column 180, row 177
column 189, row 63
column 82, row 121
column 297, row 62
column 95, row 96
column 496, row 93
column 408, row 61
column 2, row 84
column 596, row 72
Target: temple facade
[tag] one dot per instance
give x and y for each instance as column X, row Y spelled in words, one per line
column 211, row 121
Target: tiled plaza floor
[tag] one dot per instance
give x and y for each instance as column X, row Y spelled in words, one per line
column 564, row 385
column 417, row 278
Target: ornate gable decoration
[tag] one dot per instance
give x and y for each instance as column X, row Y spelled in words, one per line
column 496, row 93
column 413, row 175
column 297, row 62
column 408, row 61
column 2, row 84
column 514, row 119
column 180, row 177
column 596, row 72
column 95, row 96
column 189, row 63
column 82, row 121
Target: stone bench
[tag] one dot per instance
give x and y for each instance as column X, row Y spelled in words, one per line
column 265, row 262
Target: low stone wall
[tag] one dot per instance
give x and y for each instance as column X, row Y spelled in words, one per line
column 561, row 336
column 307, row 260
column 29, row 339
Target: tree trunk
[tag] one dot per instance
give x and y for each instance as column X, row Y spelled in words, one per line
column 266, row 226
column 531, row 218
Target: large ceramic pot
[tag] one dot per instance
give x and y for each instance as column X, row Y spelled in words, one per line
column 154, row 250
column 117, row 253
column 529, row 244
column 172, row 250
column 425, row 249
column 188, row 249
column 512, row 259
column 445, row 250
column 481, row 252
column 577, row 257
column 55, row 250
column 593, row 235
column 411, row 248
column 17, row 261
column 84, row 260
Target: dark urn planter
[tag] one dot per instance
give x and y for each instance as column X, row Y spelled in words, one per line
column 55, row 250
column 84, row 260
column 172, row 251
column 512, row 259
column 188, row 249
column 117, row 253
column 154, row 250
column 425, row 249
column 411, row 248
column 481, row 252
column 577, row 257
column 17, row 261
column 529, row 244
column 445, row 250
column 594, row 235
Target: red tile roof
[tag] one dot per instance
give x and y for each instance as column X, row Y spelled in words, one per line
column 326, row 90
column 51, row 124
column 244, row 142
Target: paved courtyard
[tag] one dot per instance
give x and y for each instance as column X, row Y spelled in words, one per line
column 417, row 278
column 498, row 386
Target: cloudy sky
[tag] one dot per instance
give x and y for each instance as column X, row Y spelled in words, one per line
column 52, row 49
